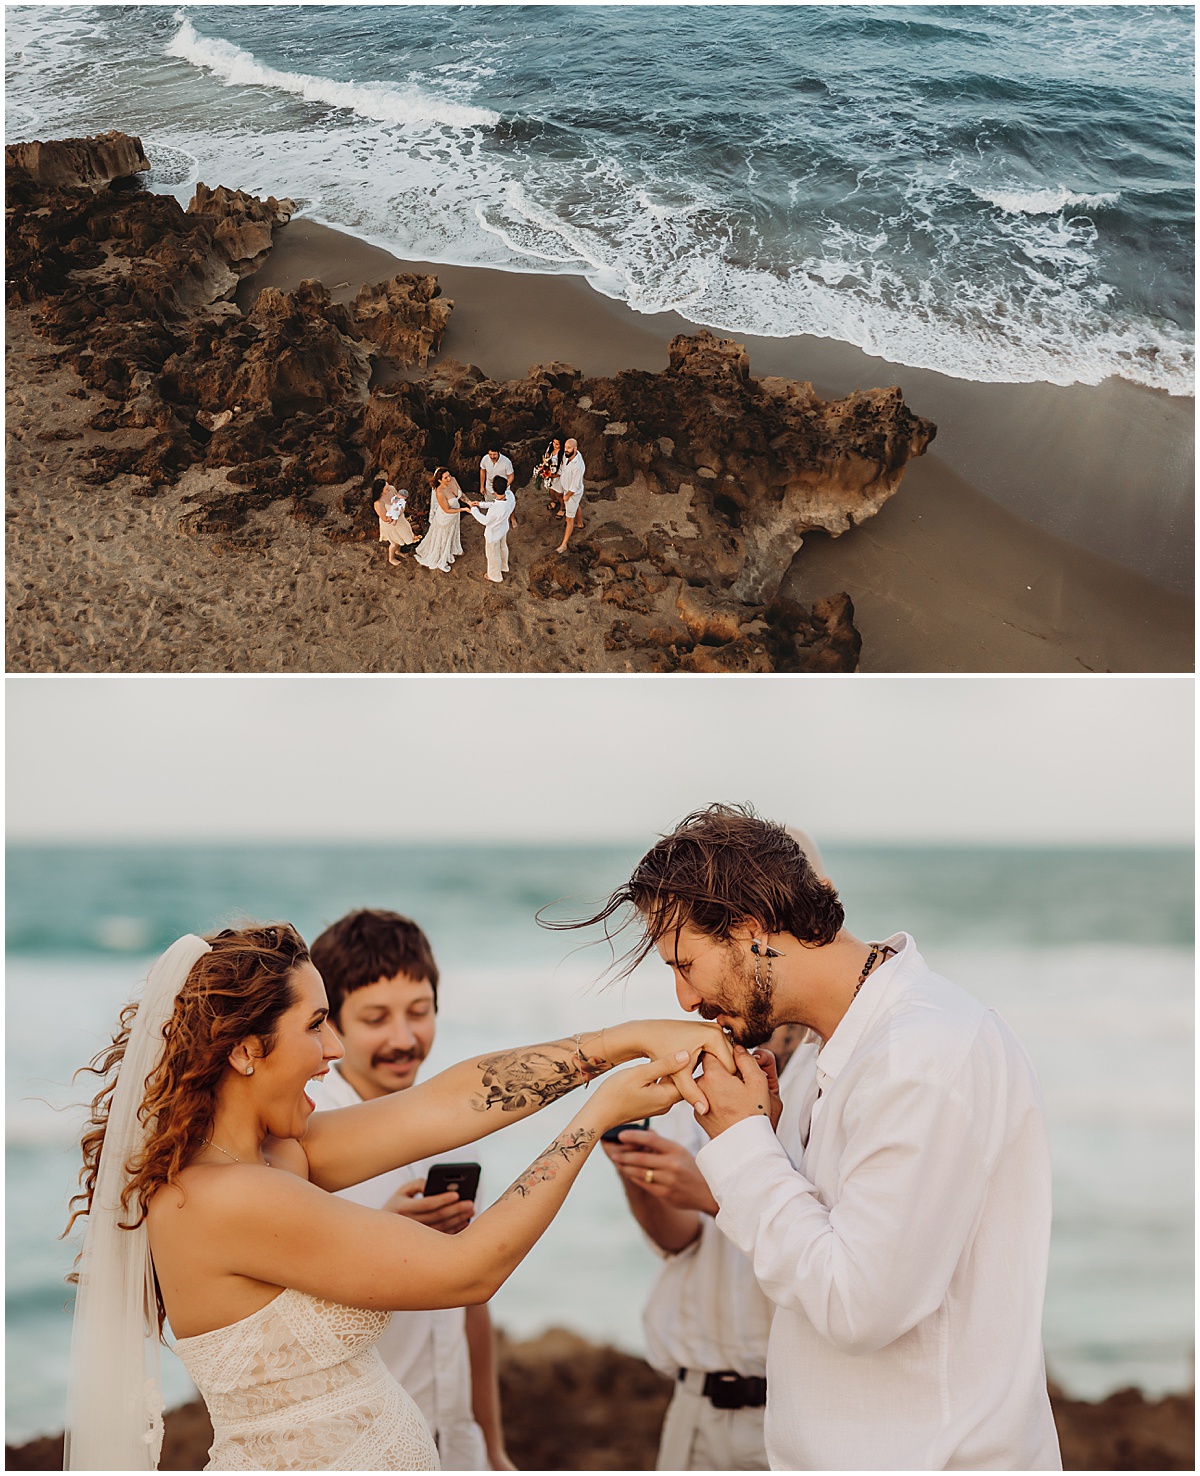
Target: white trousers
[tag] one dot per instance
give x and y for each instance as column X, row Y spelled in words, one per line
column 497, row 559
column 697, row 1437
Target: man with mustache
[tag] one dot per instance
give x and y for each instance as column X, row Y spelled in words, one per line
column 895, row 1208
column 382, row 981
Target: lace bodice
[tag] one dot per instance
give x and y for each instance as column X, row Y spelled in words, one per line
column 299, row 1386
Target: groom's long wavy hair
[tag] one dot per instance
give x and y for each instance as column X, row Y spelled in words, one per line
column 718, row 868
column 240, row 987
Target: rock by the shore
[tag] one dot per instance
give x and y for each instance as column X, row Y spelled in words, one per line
column 404, row 318
column 570, row 1405
column 94, row 162
column 702, row 481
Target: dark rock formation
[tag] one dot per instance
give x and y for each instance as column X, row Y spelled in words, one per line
column 405, row 317
column 570, row 1405
column 702, row 480
column 244, row 223
column 94, row 162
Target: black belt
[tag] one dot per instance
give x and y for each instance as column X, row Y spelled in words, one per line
column 729, row 1390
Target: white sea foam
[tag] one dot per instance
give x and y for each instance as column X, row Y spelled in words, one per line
column 378, row 101
column 1045, row 202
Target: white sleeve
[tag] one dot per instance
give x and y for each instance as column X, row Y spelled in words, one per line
column 913, row 1179
column 478, row 516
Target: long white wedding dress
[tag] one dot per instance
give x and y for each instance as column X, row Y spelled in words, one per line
column 443, row 543
column 299, row 1386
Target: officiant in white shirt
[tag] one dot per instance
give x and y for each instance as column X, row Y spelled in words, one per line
column 706, row 1320
column 381, row 980
column 492, row 464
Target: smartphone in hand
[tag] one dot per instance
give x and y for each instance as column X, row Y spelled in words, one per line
column 614, row 1133
column 463, row 1178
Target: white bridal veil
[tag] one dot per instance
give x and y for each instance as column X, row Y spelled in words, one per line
column 114, row 1393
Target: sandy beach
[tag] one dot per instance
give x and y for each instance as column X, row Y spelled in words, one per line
column 947, row 577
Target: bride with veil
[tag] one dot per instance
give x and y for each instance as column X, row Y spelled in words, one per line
column 208, row 1188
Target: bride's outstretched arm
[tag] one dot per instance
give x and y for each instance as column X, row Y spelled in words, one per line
column 275, row 1228
column 479, row 1096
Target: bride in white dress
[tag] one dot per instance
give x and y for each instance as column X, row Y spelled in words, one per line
column 443, row 543
column 209, row 1185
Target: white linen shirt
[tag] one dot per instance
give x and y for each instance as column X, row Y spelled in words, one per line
column 905, row 1246
column 501, row 467
column 496, row 518
column 426, row 1352
column 705, row 1309
column 570, row 475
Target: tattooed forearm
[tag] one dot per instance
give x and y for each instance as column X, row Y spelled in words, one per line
column 517, row 1080
column 546, row 1167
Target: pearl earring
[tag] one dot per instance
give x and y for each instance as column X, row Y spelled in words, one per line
column 249, row 1070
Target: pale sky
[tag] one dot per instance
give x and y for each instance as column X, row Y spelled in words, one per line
column 562, row 759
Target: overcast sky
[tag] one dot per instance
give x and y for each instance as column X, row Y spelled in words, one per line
column 597, row 758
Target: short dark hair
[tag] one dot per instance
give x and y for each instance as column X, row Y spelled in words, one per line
column 499, row 484
column 368, row 945
column 719, row 867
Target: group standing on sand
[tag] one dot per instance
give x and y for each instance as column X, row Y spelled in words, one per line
column 561, row 472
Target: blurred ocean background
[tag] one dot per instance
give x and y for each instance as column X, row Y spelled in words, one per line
column 1087, row 953
column 1001, row 193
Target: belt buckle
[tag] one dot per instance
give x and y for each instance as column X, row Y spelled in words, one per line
column 728, row 1390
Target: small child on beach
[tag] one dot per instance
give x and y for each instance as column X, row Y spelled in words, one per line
column 497, row 520
column 394, row 528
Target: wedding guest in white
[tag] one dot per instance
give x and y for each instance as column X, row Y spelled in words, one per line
column 900, row 1219
column 497, row 520
column 382, row 982
column 394, row 528
column 492, row 464
column 443, row 543
column 571, row 481
column 706, row 1320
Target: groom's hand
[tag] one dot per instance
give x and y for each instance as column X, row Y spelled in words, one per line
column 733, row 1095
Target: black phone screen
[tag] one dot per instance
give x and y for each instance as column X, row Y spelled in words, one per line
column 463, row 1178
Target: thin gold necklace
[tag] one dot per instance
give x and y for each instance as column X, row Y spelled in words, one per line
column 226, row 1152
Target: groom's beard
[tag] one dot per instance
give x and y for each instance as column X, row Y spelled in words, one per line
column 747, row 1002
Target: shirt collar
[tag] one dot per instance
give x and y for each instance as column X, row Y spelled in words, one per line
column 876, row 989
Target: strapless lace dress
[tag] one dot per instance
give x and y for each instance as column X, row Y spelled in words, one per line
column 299, row 1386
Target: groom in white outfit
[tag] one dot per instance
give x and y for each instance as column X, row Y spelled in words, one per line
column 897, row 1213
column 497, row 519
column 381, row 980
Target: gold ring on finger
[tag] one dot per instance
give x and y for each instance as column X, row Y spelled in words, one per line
column 649, row 1176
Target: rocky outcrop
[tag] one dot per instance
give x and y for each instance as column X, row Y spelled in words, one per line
column 94, row 162
column 244, row 223
column 702, row 480
column 403, row 318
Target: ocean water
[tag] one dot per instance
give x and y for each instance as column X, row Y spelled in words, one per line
column 1088, row 954
column 1001, row 193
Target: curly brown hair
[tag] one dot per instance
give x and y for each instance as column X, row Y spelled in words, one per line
column 717, row 868
column 240, row 987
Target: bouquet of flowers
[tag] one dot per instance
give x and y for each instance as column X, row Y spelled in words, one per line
column 546, row 471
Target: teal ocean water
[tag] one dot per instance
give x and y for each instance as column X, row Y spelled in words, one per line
column 1088, row 954
column 1001, row 193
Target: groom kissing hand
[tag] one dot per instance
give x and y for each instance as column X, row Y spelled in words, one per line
column 899, row 1219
